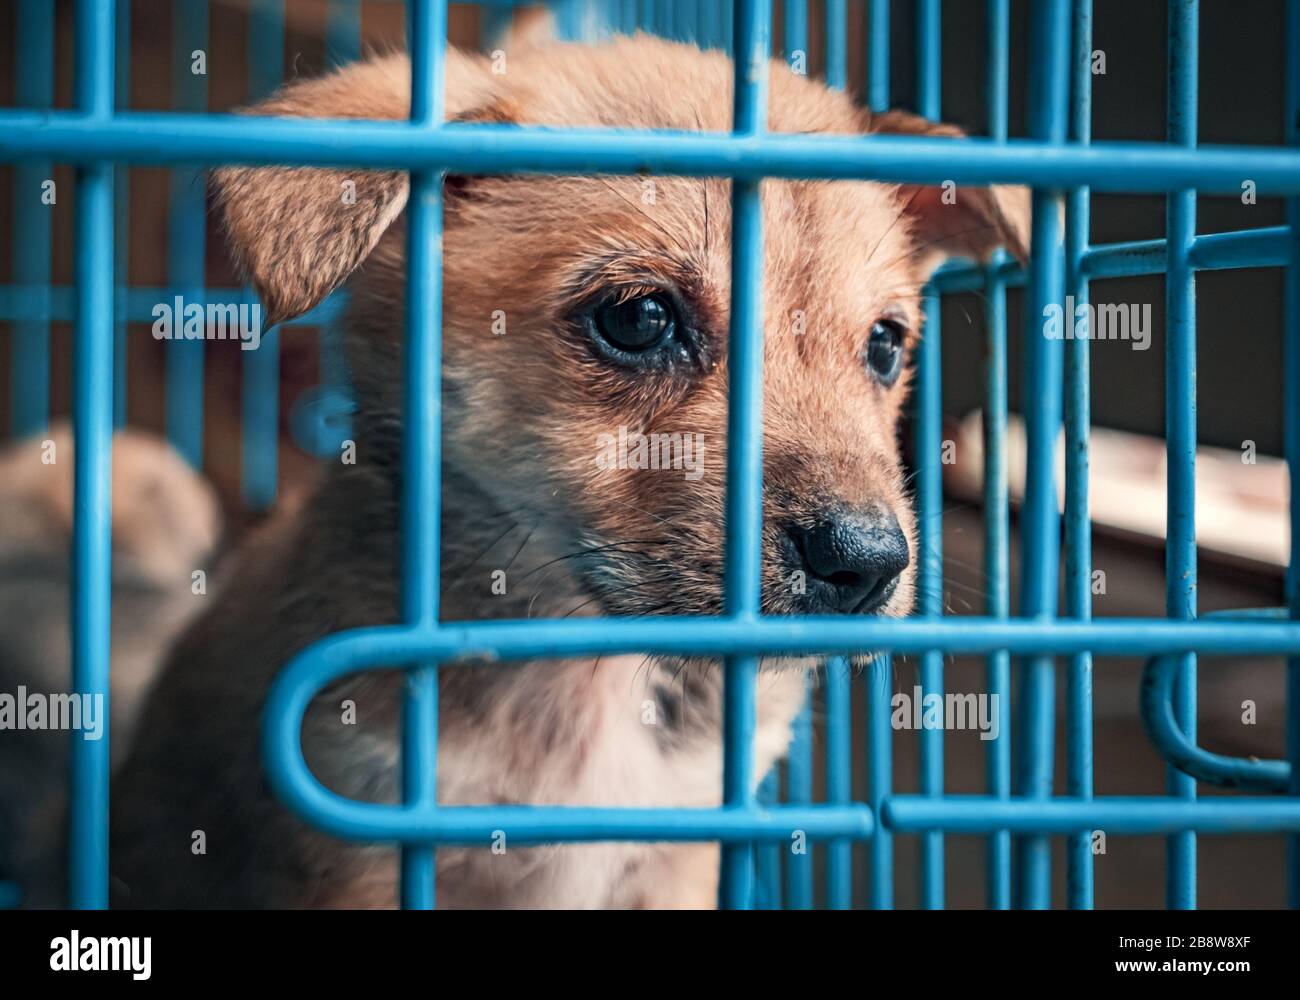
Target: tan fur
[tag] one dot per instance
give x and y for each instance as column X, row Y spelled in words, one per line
column 165, row 525
column 523, row 413
column 165, row 518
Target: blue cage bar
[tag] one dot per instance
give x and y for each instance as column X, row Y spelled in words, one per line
column 1020, row 810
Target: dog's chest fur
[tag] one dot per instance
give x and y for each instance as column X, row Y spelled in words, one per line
column 622, row 732
column 618, row 731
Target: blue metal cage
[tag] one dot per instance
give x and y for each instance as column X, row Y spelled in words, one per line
column 1021, row 810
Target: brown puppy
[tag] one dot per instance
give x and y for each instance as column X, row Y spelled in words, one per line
column 580, row 314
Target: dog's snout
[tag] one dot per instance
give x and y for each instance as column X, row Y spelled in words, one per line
column 852, row 559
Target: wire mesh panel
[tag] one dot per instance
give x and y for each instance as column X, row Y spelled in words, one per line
column 758, row 817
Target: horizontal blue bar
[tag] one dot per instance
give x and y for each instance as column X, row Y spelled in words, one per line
column 813, row 636
column 548, row 824
column 962, row 814
column 1115, row 814
column 28, row 302
column 152, row 137
column 1266, row 247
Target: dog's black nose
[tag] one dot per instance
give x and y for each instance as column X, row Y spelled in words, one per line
column 852, row 558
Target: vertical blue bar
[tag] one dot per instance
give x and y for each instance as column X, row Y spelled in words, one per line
column 686, row 19
column 29, row 370
column 997, row 549
column 997, row 570
column 260, row 415
column 603, row 16
column 744, row 518
column 663, row 13
column 187, row 237
column 494, row 22
column 768, row 891
column 565, row 15
column 878, row 55
column 880, row 779
column 1291, row 425
column 121, row 221
column 1040, row 516
column 929, row 492
column 422, row 442
column 836, row 44
column 799, row 791
column 260, row 440
column 880, row 747
column 265, row 47
column 929, row 81
column 1078, row 526
column 929, row 432
column 794, row 29
column 92, row 393
column 1180, row 427
column 710, row 22
column 343, row 32
column 998, row 23
column 342, row 46
column 880, row 734
column 839, row 779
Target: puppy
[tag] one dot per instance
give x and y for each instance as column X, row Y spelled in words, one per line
column 165, row 525
column 582, row 316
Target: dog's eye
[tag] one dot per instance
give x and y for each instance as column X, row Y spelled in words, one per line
column 884, row 353
column 636, row 325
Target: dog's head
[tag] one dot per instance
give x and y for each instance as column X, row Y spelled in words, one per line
column 586, row 319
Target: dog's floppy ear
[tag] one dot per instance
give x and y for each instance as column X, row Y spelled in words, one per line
column 965, row 222
column 296, row 233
